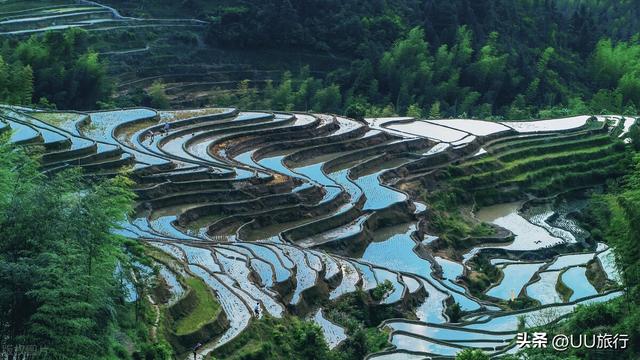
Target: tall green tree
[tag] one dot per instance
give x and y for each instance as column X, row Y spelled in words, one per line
column 58, row 257
column 58, row 68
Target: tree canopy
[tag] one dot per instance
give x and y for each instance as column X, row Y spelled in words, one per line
column 57, row 69
column 58, row 257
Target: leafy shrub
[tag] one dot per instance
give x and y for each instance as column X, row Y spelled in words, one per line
column 381, row 290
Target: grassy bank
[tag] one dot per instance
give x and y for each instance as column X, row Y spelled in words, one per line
column 207, row 308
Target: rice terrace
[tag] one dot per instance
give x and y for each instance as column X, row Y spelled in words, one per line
column 165, row 201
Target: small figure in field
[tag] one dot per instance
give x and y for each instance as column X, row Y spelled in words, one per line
column 152, row 135
column 165, row 128
column 257, row 309
column 195, row 349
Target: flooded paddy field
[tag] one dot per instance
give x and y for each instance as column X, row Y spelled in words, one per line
column 288, row 214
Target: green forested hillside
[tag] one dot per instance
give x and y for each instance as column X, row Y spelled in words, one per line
column 57, row 68
column 510, row 58
column 64, row 271
column 62, row 279
column 514, row 59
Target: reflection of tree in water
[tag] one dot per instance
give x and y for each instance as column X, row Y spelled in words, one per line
column 542, row 317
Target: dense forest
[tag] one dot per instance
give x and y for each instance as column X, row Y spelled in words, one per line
column 492, row 59
column 454, row 58
column 56, row 69
column 406, row 57
column 426, row 58
column 58, row 277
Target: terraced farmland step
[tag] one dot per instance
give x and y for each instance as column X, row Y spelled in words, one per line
column 243, row 201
